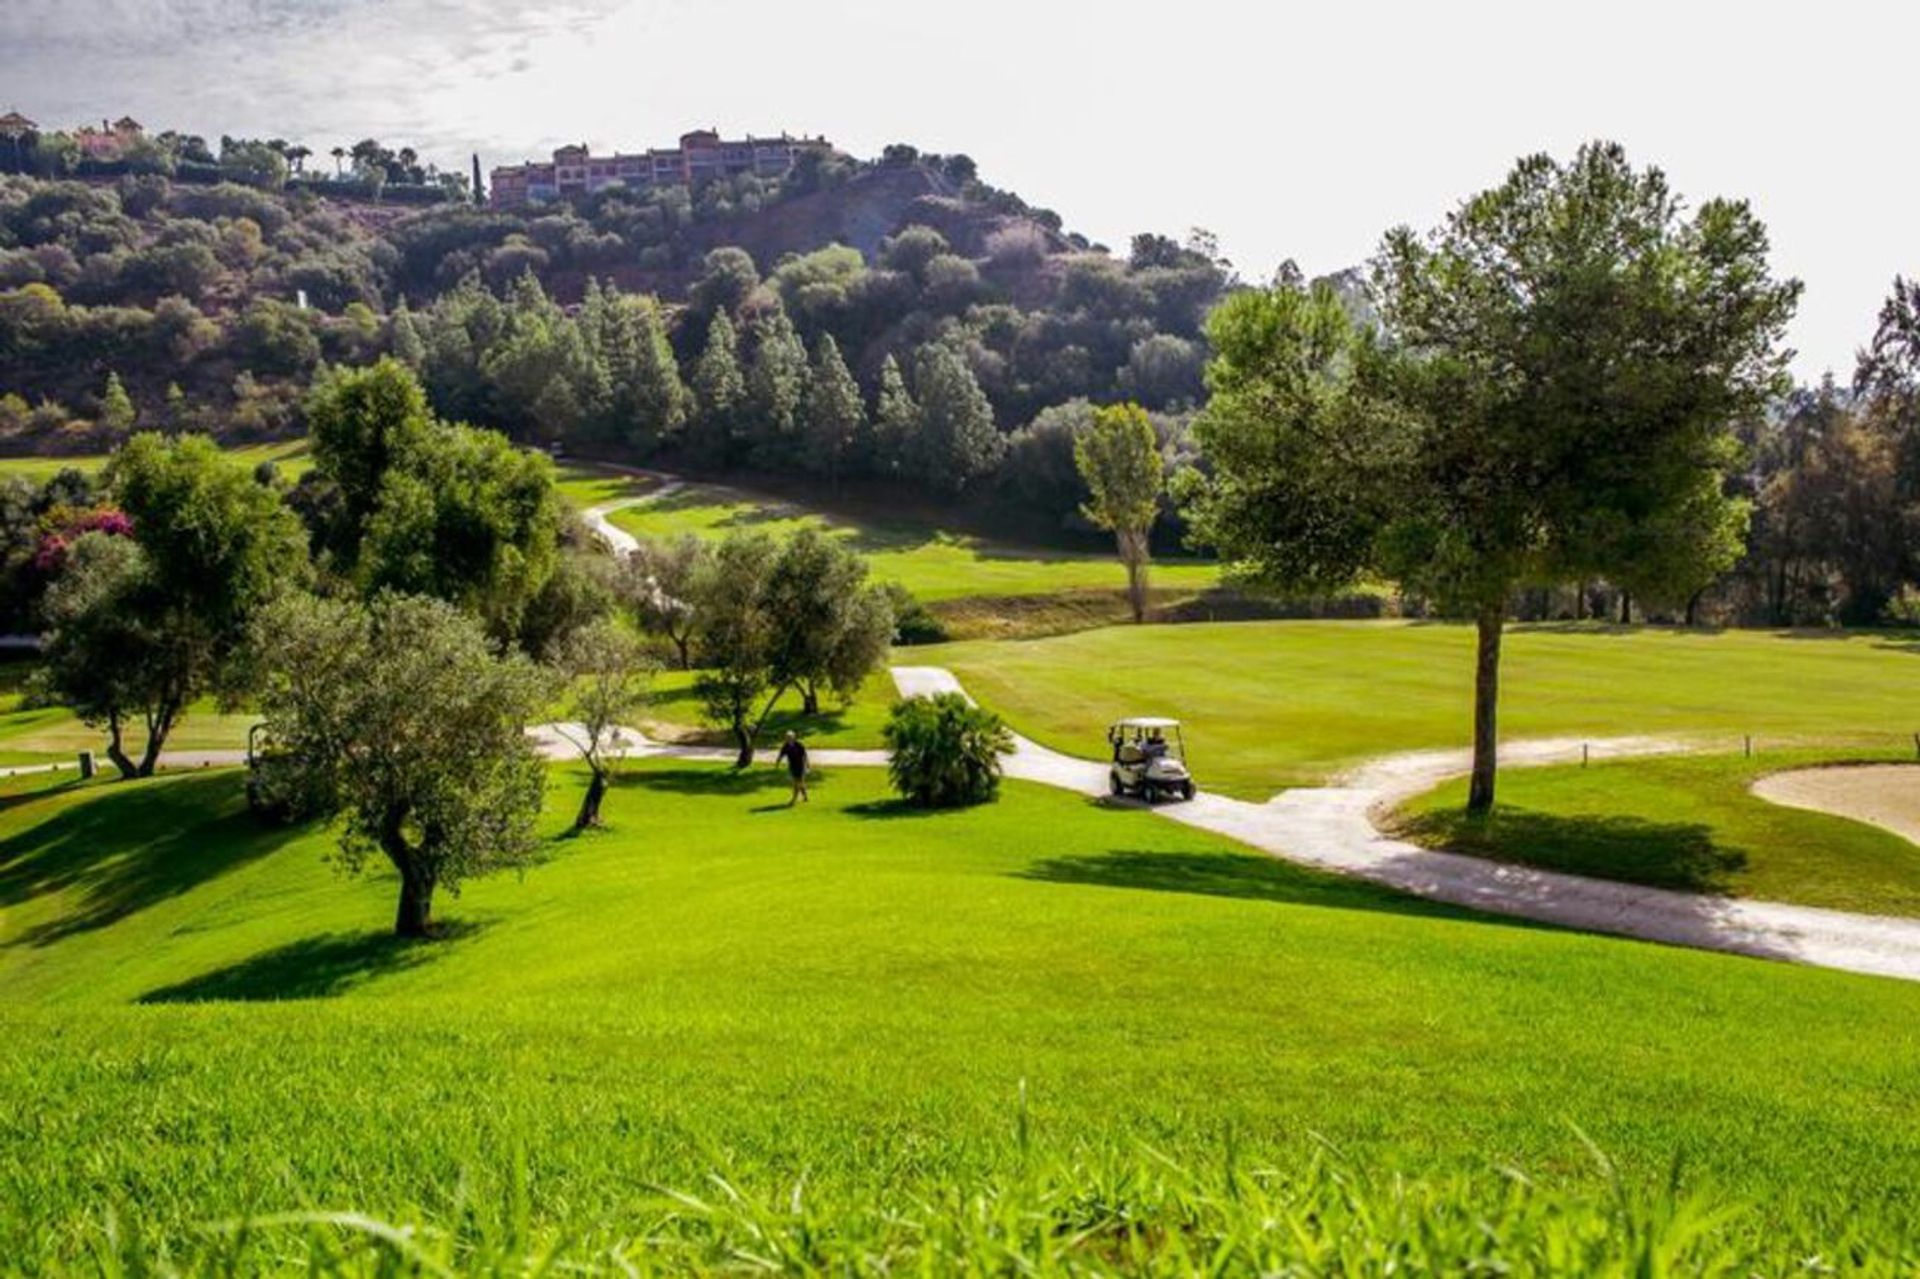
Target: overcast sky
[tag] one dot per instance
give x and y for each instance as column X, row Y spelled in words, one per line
column 1292, row 131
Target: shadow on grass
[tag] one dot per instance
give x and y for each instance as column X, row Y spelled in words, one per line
column 135, row 845
column 316, row 968
column 1243, row 876
column 713, row 779
column 1676, row 855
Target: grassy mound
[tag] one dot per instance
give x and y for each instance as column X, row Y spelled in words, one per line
column 1276, row 704
column 1690, row 823
column 916, row 1020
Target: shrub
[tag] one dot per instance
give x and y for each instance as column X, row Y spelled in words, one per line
column 913, row 622
column 946, row 751
column 1904, row 608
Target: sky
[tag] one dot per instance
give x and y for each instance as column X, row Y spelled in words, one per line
column 1291, row 131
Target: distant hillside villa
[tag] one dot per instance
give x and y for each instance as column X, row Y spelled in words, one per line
column 701, row 154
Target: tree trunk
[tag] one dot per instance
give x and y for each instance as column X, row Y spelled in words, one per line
column 809, row 699
column 415, row 917
column 159, row 727
column 117, row 751
column 1133, row 553
column 1486, row 708
column 684, row 644
column 1626, row 609
column 590, row 805
column 744, row 739
column 1693, row 607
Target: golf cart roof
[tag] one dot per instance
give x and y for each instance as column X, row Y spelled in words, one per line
column 1148, row 721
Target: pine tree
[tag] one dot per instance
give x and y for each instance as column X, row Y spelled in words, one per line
column 957, row 440
column 117, row 414
column 479, row 189
column 834, row 416
column 896, row 422
column 719, row 391
column 408, row 346
column 658, row 395
column 774, row 389
column 179, row 415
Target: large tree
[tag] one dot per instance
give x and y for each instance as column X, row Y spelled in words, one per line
column 1119, row 459
column 400, row 718
column 143, row 630
column 1555, row 380
column 957, row 440
column 719, row 394
column 833, row 416
column 427, row 508
column 831, row 629
column 734, row 644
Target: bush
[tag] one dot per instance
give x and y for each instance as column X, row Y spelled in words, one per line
column 913, row 622
column 946, row 751
column 1904, row 608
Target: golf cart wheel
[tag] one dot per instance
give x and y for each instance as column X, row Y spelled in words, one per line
column 1113, row 782
column 1186, row 790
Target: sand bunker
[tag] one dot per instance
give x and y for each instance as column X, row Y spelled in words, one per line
column 1884, row 795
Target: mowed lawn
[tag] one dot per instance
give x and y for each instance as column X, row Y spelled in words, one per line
column 1275, row 704
column 1687, row 822
column 934, row 563
column 291, row 457
column 198, row 1018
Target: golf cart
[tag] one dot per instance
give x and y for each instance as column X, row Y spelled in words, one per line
column 1149, row 759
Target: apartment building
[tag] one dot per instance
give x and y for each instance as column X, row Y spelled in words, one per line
column 702, row 154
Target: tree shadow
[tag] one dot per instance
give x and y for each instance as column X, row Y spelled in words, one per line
column 136, row 845
column 314, row 968
column 712, row 780
column 1676, row 855
column 883, row 810
column 1243, row 876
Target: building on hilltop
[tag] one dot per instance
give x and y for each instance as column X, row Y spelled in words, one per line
column 702, row 154
column 107, row 141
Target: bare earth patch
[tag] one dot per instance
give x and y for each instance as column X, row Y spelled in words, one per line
column 1883, row 795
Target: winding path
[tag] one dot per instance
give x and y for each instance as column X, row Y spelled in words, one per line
column 623, row 542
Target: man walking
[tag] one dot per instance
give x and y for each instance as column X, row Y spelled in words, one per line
column 793, row 753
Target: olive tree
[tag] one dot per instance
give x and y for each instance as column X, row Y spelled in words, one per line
column 657, row 585
column 401, row 719
column 1554, row 382
column 608, row 674
column 831, row 628
column 1119, row 458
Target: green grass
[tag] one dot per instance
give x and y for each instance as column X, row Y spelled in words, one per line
column 588, row 484
column 47, row 733
column 673, row 714
column 1275, row 704
column 840, row 1009
column 1688, row 822
column 292, row 457
column 933, row 562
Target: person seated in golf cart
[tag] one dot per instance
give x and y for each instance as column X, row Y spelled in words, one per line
column 1155, row 747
